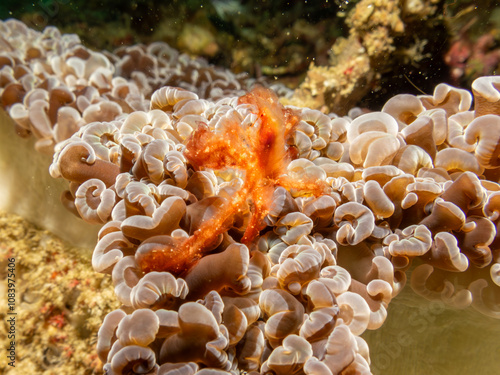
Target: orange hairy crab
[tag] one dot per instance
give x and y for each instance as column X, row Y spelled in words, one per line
column 261, row 152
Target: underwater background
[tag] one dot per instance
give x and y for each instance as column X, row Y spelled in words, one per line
column 326, row 55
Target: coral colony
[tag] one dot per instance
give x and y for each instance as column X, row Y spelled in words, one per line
column 243, row 235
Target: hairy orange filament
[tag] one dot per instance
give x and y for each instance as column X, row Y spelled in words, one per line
column 261, row 152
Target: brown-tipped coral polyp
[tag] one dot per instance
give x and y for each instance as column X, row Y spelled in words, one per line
column 261, row 152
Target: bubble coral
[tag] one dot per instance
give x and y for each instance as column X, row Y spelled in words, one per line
column 290, row 227
column 242, row 234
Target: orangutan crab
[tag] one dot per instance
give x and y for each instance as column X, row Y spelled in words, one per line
column 261, row 152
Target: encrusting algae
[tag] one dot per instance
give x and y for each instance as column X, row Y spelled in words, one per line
column 384, row 39
column 60, row 302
